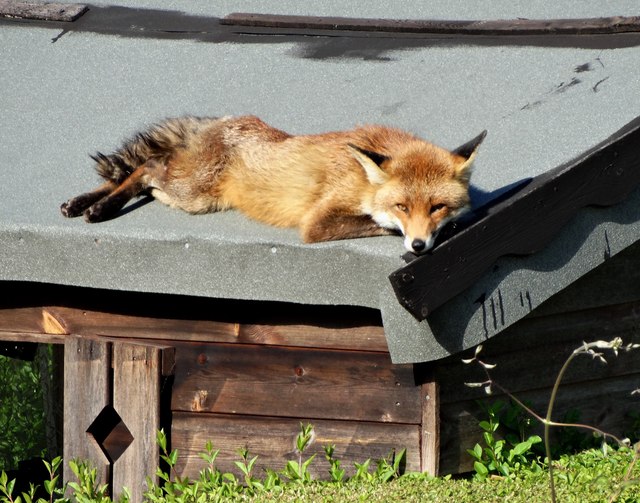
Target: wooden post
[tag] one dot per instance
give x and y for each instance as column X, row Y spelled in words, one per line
column 136, row 399
column 110, row 420
column 430, row 431
column 86, row 393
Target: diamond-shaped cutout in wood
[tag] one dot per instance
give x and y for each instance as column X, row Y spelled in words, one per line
column 110, row 433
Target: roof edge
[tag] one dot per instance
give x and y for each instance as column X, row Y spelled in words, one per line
column 522, row 224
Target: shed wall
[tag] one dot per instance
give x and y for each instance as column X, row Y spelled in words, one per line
column 600, row 306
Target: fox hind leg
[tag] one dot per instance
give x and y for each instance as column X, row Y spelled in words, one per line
column 108, row 206
column 76, row 206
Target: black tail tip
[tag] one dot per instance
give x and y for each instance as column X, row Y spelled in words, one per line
column 99, row 157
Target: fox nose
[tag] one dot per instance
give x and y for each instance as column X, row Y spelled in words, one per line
column 418, row 245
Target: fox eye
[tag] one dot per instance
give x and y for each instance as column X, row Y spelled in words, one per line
column 401, row 207
column 437, row 207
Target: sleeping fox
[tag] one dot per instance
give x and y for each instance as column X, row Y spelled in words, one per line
column 369, row 181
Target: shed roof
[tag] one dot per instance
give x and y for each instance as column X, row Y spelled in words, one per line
column 71, row 89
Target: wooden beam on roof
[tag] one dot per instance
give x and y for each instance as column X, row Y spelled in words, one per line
column 523, row 223
column 589, row 26
column 48, row 11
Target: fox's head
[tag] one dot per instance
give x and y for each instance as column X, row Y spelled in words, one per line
column 418, row 188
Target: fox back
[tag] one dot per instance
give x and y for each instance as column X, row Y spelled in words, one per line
column 372, row 180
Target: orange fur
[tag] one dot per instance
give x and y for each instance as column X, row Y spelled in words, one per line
column 368, row 181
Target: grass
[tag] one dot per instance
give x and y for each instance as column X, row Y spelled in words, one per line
column 590, row 476
column 595, row 475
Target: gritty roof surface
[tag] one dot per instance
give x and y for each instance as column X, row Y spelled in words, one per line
column 71, row 90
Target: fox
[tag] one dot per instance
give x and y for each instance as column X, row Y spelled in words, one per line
column 372, row 180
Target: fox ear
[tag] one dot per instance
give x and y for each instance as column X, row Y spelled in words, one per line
column 371, row 162
column 468, row 151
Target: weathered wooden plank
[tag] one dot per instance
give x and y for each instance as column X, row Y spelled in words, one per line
column 136, row 398
column 31, row 337
column 603, row 176
column 21, row 319
column 314, row 331
column 87, row 392
column 273, row 441
column 430, row 427
column 606, row 405
column 366, row 338
column 167, row 351
column 588, row 26
column 47, row 11
column 277, row 381
column 142, row 327
column 603, row 322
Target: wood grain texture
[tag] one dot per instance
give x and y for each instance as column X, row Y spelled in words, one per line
column 589, row 26
column 167, row 317
column 522, row 224
column 136, row 398
column 604, row 322
column 430, row 428
column 31, row 337
column 87, row 391
column 278, row 381
column 369, row 337
column 47, row 11
column 22, row 319
column 273, row 441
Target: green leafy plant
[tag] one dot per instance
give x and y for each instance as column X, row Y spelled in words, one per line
column 590, row 476
column 362, row 473
column 246, row 466
column 391, row 467
column 21, row 412
column 6, row 487
column 51, row 486
column 209, row 457
column 590, row 349
column 501, row 456
column 336, row 472
column 298, row 471
column 173, row 485
column 86, row 489
column 55, row 492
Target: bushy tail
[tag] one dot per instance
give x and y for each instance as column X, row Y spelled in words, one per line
column 158, row 142
column 112, row 167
